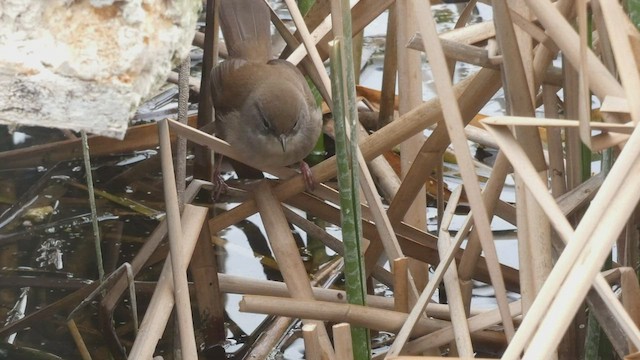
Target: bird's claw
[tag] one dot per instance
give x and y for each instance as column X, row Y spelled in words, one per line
column 307, row 175
column 219, row 187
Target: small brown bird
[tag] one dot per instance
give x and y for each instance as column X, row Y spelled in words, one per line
column 264, row 107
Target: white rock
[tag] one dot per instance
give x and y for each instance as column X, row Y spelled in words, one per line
column 86, row 64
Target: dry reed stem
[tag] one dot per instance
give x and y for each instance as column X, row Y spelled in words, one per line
column 573, row 146
column 385, row 177
column 451, row 282
column 409, row 97
column 400, row 284
column 620, row 314
column 274, row 332
column 431, row 152
column 544, row 55
column 175, row 232
column 601, row 81
column 614, row 104
column 577, row 198
column 287, row 254
column 419, row 244
column 456, row 51
column 454, row 123
column 476, row 324
column 517, row 121
column 616, row 22
column 445, row 261
column 585, row 229
column 390, row 68
column 265, row 344
column 604, row 45
column 471, row 34
column 463, row 18
column 383, row 225
column 111, row 299
column 248, row 286
column 204, row 272
column 584, row 96
column 630, row 297
column 554, row 142
column 491, row 194
column 342, row 341
column 519, row 10
column 312, row 348
column 77, row 338
column 162, row 301
column 533, row 31
column 317, row 34
column 533, row 234
column 314, row 231
column 356, row 315
column 310, row 46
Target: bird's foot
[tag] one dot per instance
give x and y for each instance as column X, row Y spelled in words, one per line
column 307, row 175
column 219, row 187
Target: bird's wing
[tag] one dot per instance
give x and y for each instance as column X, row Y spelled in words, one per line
column 220, row 77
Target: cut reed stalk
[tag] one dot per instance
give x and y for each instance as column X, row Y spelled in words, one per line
column 312, row 348
column 342, row 340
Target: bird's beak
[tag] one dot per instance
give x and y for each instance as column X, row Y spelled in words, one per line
column 283, row 142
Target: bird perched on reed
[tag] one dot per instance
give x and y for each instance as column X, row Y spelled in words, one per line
column 264, row 107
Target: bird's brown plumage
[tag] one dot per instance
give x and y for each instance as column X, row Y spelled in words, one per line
column 263, row 107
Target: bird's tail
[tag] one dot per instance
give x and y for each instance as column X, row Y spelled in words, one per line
column 246, row 29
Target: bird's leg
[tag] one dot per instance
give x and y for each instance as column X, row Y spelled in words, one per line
column 309, row 181
column 219, row 186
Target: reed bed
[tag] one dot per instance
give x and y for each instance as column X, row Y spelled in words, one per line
column 567, row 220
column 570, row 222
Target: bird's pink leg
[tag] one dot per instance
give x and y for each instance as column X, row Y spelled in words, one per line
column 309, row 181
column 219, row 186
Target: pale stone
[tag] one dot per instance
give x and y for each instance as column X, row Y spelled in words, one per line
column 87, row 64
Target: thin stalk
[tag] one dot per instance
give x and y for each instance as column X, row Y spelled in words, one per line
column 344, row 111
column 181, row 142
column 92, row 204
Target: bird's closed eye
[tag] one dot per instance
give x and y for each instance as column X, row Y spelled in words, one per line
column 265, row 123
